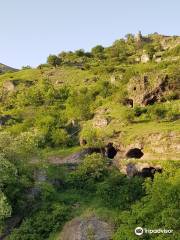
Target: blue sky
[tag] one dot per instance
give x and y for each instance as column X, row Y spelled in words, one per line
column 32, row 29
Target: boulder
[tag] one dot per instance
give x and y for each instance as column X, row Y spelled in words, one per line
column 145, row 58
column 141, row 169
column 86, row 228
column 9, row 86
column 100, row 122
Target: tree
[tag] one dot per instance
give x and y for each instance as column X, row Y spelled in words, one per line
column 91, row 170
column 53, row 60
column 78, row 105
column 80, row 52
column 162, row 194
column 5, row 209
column 59, row 137
column 98, row 51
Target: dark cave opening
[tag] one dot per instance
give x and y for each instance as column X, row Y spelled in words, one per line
column 149, row 172
column 83, row 142
column 150, row 101
column 134, row 153
column 127, row 102
column 110, row 151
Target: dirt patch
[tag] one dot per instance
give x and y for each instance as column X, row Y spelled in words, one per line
column 74, row 158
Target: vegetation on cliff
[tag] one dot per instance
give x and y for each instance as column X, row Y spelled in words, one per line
column 123, row 94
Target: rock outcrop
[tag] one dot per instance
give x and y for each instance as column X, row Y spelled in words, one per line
column 155, row 146
column 145, row 57
column 140, row 169
column 148, row 89
column 86, row 228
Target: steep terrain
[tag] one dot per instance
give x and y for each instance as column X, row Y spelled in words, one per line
column 69, row 128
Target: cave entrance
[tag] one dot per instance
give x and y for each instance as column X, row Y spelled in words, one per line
column 150, row 101
column 128, row 102
column 149, row 172
column 134, row 153
column 110, row 151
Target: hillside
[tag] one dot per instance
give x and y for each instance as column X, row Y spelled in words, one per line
column 74, row 128
column 4, row 68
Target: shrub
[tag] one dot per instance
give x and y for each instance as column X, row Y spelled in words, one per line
column 42, row 224
column 92, row 169
column 118, row 191
column 59, row 137
column 91, row 136
column 5, row 209
column 157, row 112
column 128, row 115
column 138, row 111
column 162, row 193
column 98, row 51
column 80, row 52
column 53, row 60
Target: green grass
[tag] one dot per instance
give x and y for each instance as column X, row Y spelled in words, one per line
column 89, row 205
column 29, row 74
column 142, row 129
column 61, row 152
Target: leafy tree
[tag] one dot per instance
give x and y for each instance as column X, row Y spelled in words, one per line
column 98, row 51
column 129, row 37
column 53, row 60
column 80, row 52
column 78, row 105
column 5, row 209
column 41, row 224
column 59, row 137
column 158, row 209
column 118, row 191
column 92, row 169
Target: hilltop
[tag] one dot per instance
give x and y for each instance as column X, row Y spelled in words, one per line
column 4, row 68
column 76, row 126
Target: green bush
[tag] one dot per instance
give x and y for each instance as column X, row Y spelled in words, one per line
column 42, row 224
column 138, row 111
column 117, row 191
column 157, row 112
column 53, row 60
column 92, row 169
column 157, row 209
column 59, row 137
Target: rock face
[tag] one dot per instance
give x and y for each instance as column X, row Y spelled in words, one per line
column 140, row 169
column 86, row 229
column 145, row 58
column 169, row 42
column 9, row 86
column 100, row 119
column 100, row 122
column 141, row 155
column 143, row 90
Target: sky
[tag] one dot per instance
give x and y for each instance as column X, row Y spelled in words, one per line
column 30, row 30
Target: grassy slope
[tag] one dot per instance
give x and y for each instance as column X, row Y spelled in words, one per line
column 75, row 78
